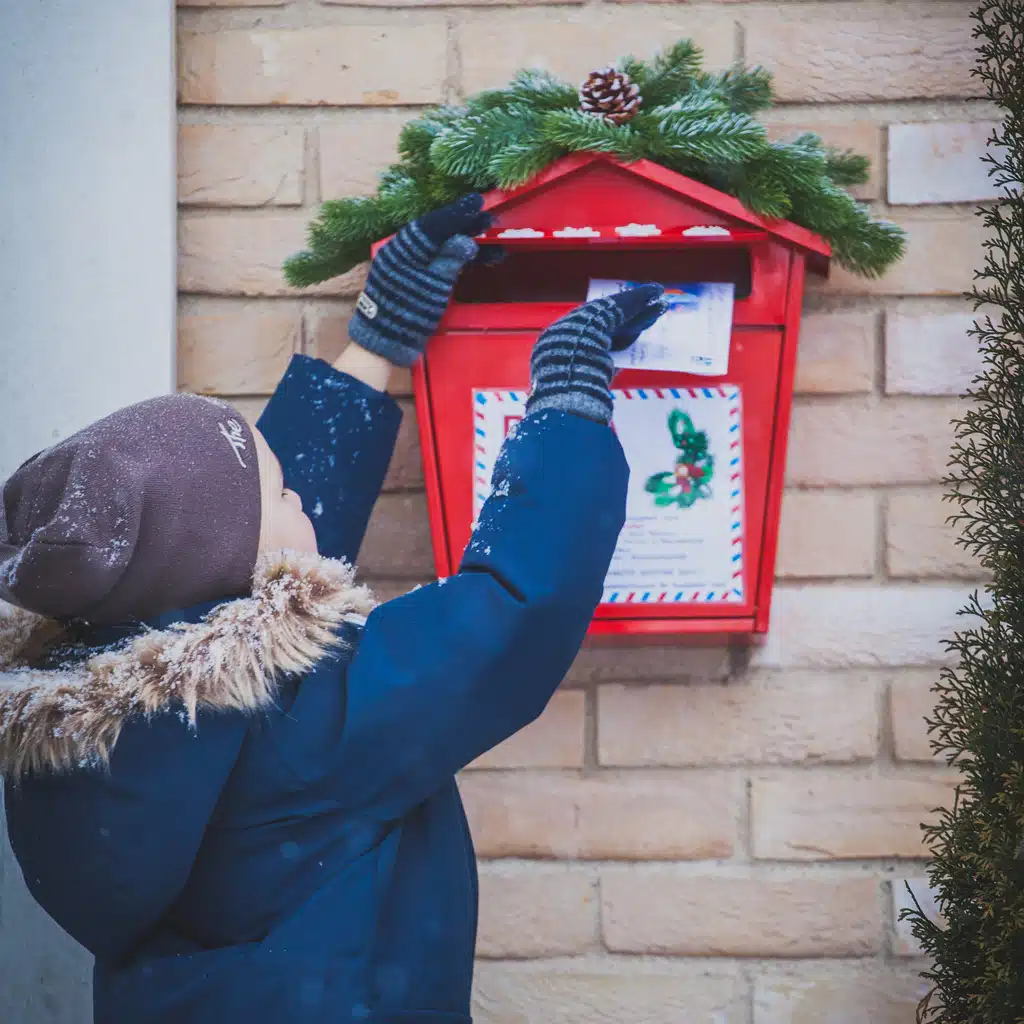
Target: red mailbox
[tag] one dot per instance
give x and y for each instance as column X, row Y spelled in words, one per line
column 589, row 217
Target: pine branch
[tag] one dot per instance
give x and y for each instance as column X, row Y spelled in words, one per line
column 466, row 148
column 417, row 136
column 696, row 123
column 725, row 138
column 744, row 90
column 574, row 131
column 763, row 187
column 402, row 195
column 350, row 220
column 700, row 102
column 804, row 161
column 309, row 267
column 665, row 78
column 443, row 189
column 631, row 66
column 531, row 89
column 847, row 167
column 868, row 247
column 517, row 164
column 339, row 238
column 540, row 90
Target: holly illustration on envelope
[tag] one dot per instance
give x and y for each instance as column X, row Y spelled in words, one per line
column 690, row 479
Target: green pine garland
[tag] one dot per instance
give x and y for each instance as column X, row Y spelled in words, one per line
column 697, row 123
column 977, row 872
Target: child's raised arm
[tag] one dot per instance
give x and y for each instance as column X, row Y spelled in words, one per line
column 450, row 670
column 333, row 429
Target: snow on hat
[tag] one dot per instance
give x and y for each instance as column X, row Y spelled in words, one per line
column 154, row 508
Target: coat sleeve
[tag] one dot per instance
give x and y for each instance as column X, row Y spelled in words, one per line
column 450, row 670
column 105, row 852
column 334, row 437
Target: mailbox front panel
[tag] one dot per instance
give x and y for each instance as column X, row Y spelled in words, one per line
column 589, row 216
column 462, row 365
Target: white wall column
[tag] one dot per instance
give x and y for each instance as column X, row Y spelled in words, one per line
column 87, row 302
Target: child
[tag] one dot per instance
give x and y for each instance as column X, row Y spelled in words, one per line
column 247, row 810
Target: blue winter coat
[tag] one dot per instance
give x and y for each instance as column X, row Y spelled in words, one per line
column 308, row 859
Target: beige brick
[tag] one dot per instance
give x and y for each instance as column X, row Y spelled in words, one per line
column 904, row 941
column 327, row 328
column 874, row 52
column 827, row 815
column 608, row 990
column 799, row 717
column 555, row 740
column 405, row 472
column 351, row 65
column 827, row 534
column 942, row 254
column 836, row 353
column 670, row 910
column 455, row 3
column 534, row 910
column 610, row 816
column 239, row 165
column 939, row 162
column 603, row 663
column 232, row 3
column 354, row 151
column 920, row 541
column 397, row 544
column 857, row 442
column 844, row 993
column 573, row 44
column 251, row 409
column 912, row 700
column 327, row 337
column 243, row 253
column 930, row 353
column 834, row 626
column 236, row 348
column 863, row 137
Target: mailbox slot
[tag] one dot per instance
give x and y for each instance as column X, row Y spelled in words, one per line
column 539, row 281
column 562, row 275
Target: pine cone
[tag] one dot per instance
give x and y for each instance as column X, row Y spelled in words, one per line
column 610, row 94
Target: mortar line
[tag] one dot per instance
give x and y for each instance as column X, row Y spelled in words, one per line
column 745, row 838
column 451, row 91
column 889, row 921
column 305, row 333
column 591, row 727
column 881, row 573
column 886, row 735
column 312, row 190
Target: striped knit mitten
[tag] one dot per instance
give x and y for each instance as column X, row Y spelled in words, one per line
column 411, row 280
column 572, row 367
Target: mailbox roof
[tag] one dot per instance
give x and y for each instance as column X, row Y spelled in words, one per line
column 594, row 195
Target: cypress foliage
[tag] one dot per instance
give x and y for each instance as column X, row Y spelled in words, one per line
column 977, row 951
column 691, row 121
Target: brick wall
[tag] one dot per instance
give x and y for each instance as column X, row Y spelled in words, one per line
column 686, row 834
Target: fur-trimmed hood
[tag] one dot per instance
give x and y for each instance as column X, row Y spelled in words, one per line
column 55, row 720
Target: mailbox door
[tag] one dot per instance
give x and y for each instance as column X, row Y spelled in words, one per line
column 459, row 363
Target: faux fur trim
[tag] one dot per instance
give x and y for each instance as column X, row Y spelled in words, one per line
column 53, row 721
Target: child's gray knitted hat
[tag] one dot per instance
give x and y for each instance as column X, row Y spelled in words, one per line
column 152, row 509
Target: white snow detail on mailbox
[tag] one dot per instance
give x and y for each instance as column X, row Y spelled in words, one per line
column 577, row 233
column 708, row 231
column 638, row 230
column 521, row 233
